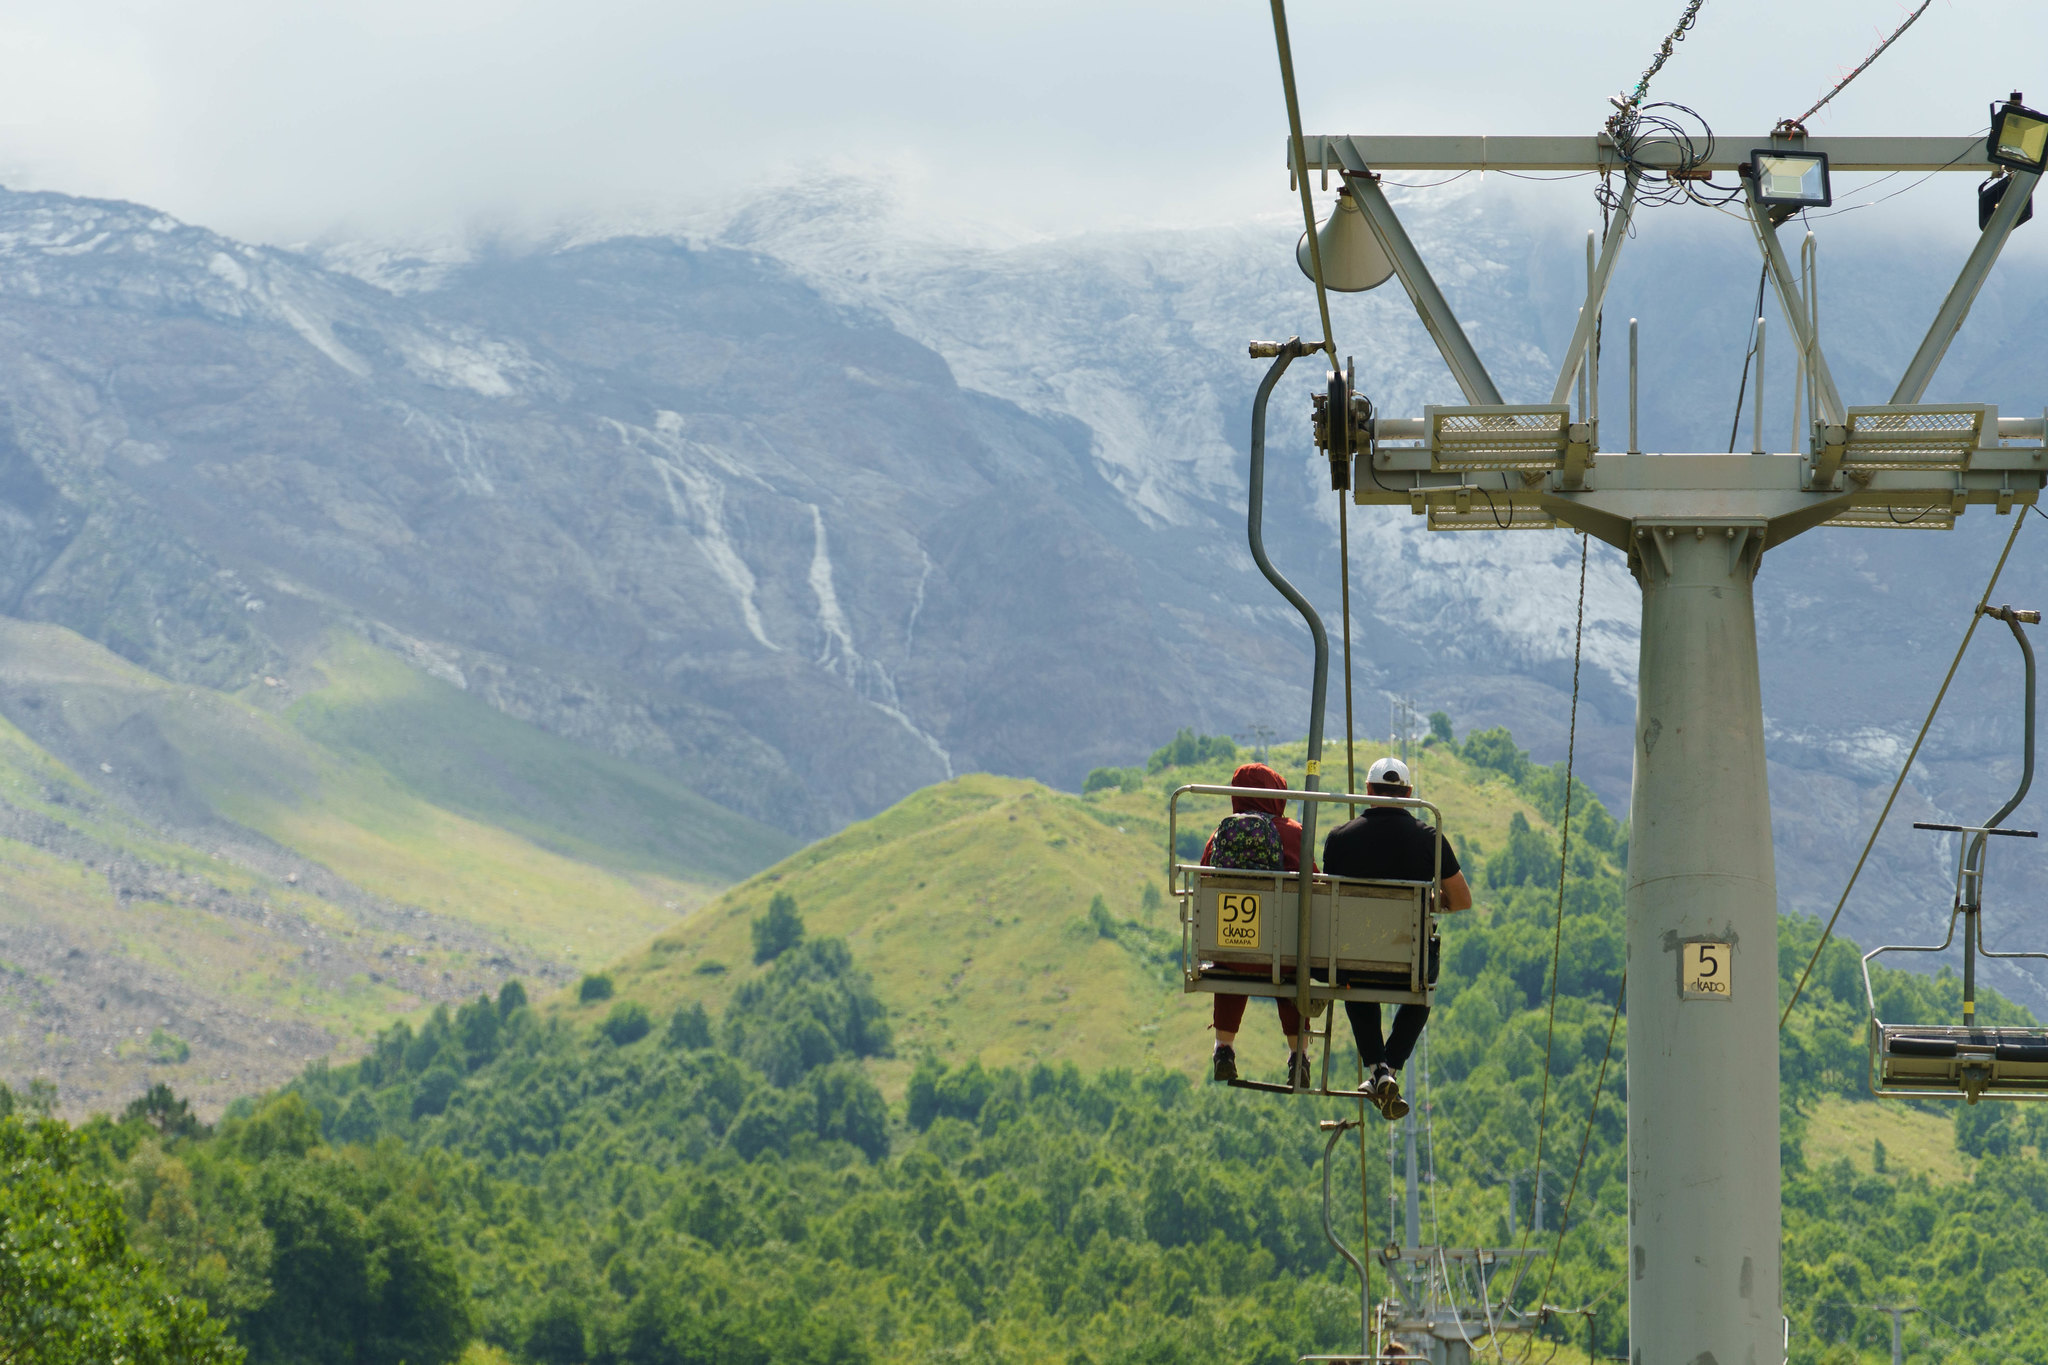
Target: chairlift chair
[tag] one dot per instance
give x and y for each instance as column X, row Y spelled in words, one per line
column 1368, row 939
column 1964, row 1059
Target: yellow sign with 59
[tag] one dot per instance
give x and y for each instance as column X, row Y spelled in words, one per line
column 1237, row 919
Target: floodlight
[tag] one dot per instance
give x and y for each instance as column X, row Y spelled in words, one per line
column 1791, row 180
column 1352, row 259
column 1993, row 190
column 2019, row 136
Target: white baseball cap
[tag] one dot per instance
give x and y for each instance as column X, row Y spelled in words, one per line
column 1388, row 771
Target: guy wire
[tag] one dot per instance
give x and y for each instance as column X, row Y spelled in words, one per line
column 1843, row 83
column 1308, row 210
column 1904, row 768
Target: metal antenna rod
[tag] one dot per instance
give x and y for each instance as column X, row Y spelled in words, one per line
column 1583, row 415
column 1592, row 336
column 1284, row 355
column 1757, row 423
column 1635, row 447
column 1799, row 366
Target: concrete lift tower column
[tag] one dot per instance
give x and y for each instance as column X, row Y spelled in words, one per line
column 1704, row 1282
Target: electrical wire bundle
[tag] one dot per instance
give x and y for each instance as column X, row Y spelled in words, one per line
column 1658, row 183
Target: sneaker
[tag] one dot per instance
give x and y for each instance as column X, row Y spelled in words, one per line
column 1386, row 1094
column 1300, row 1075
column 1223, row 1065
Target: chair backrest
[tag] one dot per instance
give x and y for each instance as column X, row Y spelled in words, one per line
column 1245, row 918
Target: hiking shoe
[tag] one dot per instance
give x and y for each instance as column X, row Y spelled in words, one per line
column 1386, row 1094
column 1223, row 1065
column 1300, row 1075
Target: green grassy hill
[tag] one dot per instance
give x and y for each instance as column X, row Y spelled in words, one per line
column 970, row 905
column 211, row 889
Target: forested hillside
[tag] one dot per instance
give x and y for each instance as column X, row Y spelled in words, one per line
column 625, row 1178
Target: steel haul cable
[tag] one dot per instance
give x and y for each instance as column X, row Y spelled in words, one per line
column 1308, row 211
column 1904, row 768
column 1563, row 870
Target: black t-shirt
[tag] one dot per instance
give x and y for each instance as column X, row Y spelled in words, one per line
column 1386, row 843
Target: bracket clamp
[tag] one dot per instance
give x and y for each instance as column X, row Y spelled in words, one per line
column 1580, row 438
column 1825, row 469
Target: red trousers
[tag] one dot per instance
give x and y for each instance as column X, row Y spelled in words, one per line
column 1228, row 1013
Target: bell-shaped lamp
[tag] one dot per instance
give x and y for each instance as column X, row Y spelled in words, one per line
column 1352, row 259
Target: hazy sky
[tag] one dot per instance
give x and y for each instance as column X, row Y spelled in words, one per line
column 289, row 119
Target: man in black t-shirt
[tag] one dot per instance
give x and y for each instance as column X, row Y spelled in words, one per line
column 1388, row 844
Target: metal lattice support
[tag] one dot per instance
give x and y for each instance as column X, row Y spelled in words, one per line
column 1899, row 518
column 1916, row 436
column 1498, row 437
column 1501, row 514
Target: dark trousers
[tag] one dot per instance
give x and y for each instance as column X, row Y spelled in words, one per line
column 1365, row 1029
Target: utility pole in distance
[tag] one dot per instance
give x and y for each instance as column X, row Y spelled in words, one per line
column 1704, row 1227
column 1898, row 1317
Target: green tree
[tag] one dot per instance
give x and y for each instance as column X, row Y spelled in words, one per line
column 1188, row 748
column 72, row 1289
column 781, row 929
column 811, row 1008
column 1496, row 749
column 689, row 1027
column 594, row 986
column 1440, row 727
column 161, row 1109
column 627, row 1023
column 476, row 1027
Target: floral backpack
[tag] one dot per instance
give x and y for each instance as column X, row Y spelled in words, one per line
column 1248, row 840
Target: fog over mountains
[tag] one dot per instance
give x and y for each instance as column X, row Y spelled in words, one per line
column 808, row 505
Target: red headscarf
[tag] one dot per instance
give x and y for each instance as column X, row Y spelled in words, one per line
column 1258, row 775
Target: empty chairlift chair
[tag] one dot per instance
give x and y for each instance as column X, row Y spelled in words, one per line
column 1241, row 931
column 1964, row 1059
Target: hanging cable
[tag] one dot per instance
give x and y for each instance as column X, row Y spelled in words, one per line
column 1742, row 388
column 1308, row 209
column 1585, row 1138
column 1564, row 860
column 1904, row 768
column 1842, row 84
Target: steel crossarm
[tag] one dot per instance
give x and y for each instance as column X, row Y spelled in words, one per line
column 1326, row 152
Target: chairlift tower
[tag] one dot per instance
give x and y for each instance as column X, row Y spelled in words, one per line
column 1703, row 1260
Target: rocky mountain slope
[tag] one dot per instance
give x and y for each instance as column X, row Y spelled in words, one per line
column 803, row 505
column 215, row 889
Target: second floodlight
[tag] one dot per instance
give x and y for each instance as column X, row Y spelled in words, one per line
column 1792, row 180
column 2019, row 136
column 1352, row 259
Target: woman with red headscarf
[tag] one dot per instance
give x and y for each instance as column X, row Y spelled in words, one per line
column 1228, row 1010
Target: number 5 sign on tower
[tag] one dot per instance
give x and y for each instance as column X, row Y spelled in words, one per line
column 1703, row 968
